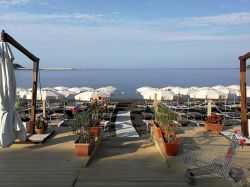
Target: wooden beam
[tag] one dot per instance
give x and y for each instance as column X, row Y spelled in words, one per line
column 7, row 38
column 34, row 94
column 244, row 125
column 245, row 56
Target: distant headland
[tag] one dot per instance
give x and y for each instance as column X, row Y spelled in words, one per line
column 20, row 67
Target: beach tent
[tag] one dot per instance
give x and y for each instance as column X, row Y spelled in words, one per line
column 11, row 126
column 87, row 96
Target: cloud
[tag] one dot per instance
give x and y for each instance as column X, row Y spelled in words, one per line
column 223, row 19
column 7, row 3
column 234, row 18
column 122, row 35
column 217, row 20
column 22, row 16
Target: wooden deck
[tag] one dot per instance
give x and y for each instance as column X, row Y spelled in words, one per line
column 136, row 162
column 118, row 162
column 52, row 163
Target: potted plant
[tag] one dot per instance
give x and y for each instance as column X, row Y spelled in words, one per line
column 41, row 125
column 85, row 139
column 161, row 118
column 171, row 142
column 94, row 117
column 214, row 123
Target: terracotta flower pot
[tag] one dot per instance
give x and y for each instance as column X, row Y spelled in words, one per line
column 95, row 131
column 157, row 131
column 171, row 149
column 213, row 127
column 41, row 131
column 83, row 149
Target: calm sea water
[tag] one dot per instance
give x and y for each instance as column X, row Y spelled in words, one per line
column 128, row 80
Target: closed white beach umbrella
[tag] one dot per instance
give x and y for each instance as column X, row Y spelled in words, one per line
column 59, row 88
column 208, row 94
column 46, row 95
column 161, row 95
column 87, row 96
column 68, row 94
column 11, row 126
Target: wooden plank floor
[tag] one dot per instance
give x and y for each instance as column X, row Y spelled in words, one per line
column 135, row 162
column 118, row 162
column 52, row 163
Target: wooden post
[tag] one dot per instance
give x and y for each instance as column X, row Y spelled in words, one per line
column 33, row 101
column 244, row 125
column 44, row 110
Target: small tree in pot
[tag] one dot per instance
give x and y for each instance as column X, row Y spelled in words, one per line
column 85, row 139
column 95, row 115
column 171, row 141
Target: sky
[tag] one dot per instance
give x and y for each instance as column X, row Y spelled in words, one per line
column 129, row 33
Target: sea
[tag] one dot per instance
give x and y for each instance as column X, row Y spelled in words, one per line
column 128, row 80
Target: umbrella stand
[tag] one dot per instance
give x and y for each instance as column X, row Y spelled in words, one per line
column 5, row 37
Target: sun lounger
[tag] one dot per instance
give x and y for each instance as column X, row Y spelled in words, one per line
column 141, row 107
column 57, row 123
column 106, row 116
column 111, row 108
